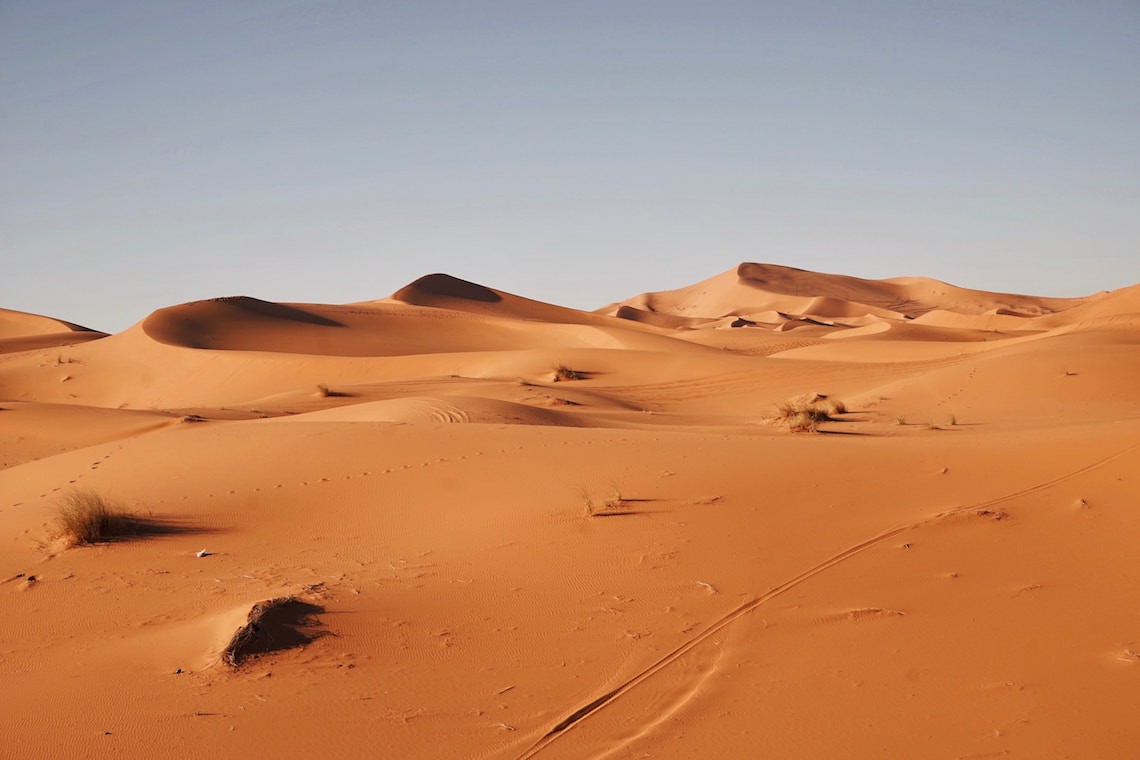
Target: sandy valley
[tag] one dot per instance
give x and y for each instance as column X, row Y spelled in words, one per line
column 777, row 513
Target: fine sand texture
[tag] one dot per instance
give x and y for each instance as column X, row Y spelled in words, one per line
column 775, row 514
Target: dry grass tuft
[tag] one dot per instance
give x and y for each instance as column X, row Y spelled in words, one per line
column 86, row 517
column 952, row 420
column 611, row 505
column 900, row 420
column 804, row 421
column 324, row 392
column 563, row 372
column 803, row 415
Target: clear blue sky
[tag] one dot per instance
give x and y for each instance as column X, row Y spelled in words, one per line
column 574, row 151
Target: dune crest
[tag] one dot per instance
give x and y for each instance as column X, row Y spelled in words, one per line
column 766, row 287
column 21, row 331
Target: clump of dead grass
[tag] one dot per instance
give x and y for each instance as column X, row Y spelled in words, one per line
column 803, row 414
column 612, row 504
column 86, row 517
column 564, row 372
column 325, row 392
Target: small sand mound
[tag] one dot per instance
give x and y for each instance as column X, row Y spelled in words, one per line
column 272, row 625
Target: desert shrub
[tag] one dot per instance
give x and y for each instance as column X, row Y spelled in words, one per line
column 801, row 415
column 610, row 505
column 803, row 422
column 563, row 372
column 86, row 517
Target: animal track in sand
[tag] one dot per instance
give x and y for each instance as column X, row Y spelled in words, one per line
column 584, row 712
column 955, row 394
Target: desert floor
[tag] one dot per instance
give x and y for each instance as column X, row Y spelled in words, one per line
column 633, row 557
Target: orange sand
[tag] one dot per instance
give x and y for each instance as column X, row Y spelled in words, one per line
column 946, row 570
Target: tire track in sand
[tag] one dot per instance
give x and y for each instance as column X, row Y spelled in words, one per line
column 590, row 708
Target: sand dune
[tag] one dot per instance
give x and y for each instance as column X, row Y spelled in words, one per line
column 457, row 522
column 443, row 291
column 20, row 331
column 761, row 287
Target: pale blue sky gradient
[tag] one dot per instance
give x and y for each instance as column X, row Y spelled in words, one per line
column 578, row 152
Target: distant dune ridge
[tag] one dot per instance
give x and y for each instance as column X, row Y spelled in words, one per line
column 20, row 331
column 752, row 288
column 754, row 516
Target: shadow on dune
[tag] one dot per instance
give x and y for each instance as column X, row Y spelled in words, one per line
column 277, row 310
column 141, row 527
column 448, row 287
column 619, row 512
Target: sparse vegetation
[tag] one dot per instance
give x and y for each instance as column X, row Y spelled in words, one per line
column 930, row 426
column 324, row 392
column 86, row 517
column 564, row 372
column 805, row 421
column 804, row 414
column 952, row 420
column 611, row 505
column 900, row 420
